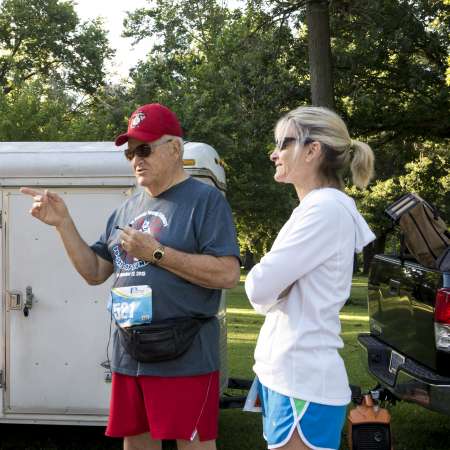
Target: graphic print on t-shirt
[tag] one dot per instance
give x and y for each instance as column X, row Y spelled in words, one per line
column 151, row 222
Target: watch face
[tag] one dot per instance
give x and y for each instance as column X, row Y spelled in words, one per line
column 158, row 254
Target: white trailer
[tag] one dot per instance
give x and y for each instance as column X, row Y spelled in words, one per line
column 54, row 327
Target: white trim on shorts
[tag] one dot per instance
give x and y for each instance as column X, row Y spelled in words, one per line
column 294, row 425
column 194, row 433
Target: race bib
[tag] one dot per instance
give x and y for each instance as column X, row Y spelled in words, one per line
column 131, row 305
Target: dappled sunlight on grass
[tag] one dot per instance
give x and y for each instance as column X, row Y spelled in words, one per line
column 250, row 312
column 354, row 318
column 351, row 333
column 240, row 337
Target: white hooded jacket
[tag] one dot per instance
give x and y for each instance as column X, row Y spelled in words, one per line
column 311, row 263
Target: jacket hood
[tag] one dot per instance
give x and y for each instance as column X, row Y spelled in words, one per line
column 364, row 234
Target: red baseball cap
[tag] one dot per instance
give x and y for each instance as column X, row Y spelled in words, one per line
column 149, row 122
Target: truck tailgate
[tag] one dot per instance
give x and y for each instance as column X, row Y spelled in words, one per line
column 401, row 298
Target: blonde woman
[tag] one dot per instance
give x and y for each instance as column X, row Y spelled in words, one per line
column 303, row 282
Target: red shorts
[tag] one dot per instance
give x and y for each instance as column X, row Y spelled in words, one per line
column 167, row 407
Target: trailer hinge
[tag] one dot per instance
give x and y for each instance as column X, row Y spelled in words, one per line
column 2, row 385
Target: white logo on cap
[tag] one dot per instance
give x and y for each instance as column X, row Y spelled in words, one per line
column 137, row 119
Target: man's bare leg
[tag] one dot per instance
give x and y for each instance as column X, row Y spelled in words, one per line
column 196, row 445
column 142, row 441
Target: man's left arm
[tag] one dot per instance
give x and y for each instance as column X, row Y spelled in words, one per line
column 218, row 272
column 214, row 272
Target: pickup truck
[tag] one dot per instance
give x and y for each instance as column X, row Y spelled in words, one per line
column 408, row 347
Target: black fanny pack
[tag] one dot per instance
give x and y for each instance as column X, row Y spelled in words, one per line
column 160, row 341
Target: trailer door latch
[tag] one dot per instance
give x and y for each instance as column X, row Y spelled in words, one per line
column 28, row 301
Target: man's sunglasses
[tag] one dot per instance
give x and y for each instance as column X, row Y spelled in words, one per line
column 142, row 151
column 287, row 141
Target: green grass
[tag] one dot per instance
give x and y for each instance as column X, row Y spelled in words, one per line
column 413, row 427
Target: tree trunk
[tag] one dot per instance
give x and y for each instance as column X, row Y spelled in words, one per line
column 355, row 263
column 249, row 260
column 319, row 51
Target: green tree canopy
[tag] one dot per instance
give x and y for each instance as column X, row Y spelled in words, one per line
column 46, row 111
column 390, row 62
column 229, row 75
column 44, row 38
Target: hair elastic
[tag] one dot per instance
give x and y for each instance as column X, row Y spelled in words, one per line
column 352, row 145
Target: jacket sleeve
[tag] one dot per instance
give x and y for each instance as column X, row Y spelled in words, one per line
column 311, row 240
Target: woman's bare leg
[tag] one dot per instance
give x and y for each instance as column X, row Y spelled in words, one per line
column 295, row 443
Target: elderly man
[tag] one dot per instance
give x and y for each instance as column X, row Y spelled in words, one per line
column 173, row 248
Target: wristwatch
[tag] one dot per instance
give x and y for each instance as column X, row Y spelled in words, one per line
column 157, row 255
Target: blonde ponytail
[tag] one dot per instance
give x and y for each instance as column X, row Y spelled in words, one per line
column 362, row 164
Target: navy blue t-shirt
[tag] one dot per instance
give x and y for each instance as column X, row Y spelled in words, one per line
column 192, row 217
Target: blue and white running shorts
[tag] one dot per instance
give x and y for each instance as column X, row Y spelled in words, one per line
column 319, row 426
